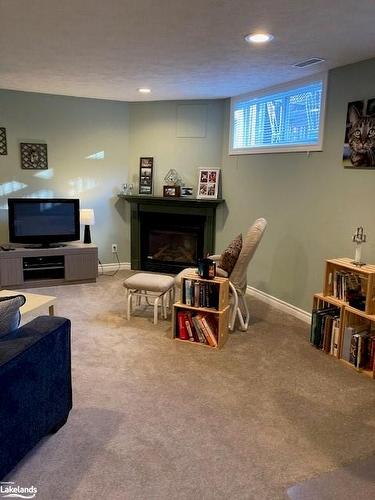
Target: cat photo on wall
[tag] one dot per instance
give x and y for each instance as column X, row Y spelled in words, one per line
column 359, row 146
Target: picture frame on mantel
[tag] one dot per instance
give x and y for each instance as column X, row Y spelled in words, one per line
column 208, row 183
column 171, row 191
column 146, row 175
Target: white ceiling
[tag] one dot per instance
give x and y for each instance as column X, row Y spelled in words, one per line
column 181, row 49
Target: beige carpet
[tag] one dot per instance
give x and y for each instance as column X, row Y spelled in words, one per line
column 159, row 419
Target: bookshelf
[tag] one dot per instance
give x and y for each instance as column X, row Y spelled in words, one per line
column 202, row 298
column 349, row 294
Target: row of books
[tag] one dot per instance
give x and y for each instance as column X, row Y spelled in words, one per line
column 325, row 330
column 359, row 346
column 200, row 293
column 197, row 328
column 347, row 287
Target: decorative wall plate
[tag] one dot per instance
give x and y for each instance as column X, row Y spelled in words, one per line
column 34, row 156
column 3, row 141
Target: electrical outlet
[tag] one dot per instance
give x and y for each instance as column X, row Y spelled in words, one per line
column 114, row 247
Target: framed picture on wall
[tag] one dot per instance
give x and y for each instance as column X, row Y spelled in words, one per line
column 359, row 143
column 146, row 174
column 208, row 183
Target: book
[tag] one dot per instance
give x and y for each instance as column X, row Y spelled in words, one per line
column 350, row 345
column 208, row 331
column 196, row 293
column 347, row 338
column 371, row 348
column 353, row 349
column 208, row 327
column 318, row 324
column 327, row 333
column 188, row 318
column 200, row 330
column 314, row 315
column 205, row 333
column 363, row 338
column 192, row 337
column 187, row 292
column 335, row 338
column 198, row 337
column 182, row 331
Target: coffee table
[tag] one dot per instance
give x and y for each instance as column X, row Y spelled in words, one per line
column 33, row 302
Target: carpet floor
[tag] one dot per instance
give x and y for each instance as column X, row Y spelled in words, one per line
column 159, row 419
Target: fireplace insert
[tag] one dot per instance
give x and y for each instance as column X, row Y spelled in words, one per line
column 170, row 243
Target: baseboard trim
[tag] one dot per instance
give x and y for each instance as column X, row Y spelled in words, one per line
column 280, row 304
column 259, row 294
column 113, row 266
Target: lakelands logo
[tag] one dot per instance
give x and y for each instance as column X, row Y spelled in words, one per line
column 10, row 490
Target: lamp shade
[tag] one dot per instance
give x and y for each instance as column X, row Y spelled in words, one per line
column 87, row 216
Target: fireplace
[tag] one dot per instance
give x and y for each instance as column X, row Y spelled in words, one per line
column 169, row 244
column 170, row 234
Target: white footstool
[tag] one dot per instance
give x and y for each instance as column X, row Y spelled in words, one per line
column 147, row 285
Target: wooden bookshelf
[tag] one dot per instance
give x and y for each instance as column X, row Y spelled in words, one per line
column 349, row 316
column 366, row 274
column 219, row 313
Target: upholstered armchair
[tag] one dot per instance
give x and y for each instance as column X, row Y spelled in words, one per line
column 238, row 276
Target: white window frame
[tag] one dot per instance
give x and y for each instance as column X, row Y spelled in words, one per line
column 287, row 148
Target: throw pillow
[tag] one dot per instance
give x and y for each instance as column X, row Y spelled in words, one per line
column 230, row 255
column 10, row 315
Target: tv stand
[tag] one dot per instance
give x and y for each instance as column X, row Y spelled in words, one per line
column 35, row 267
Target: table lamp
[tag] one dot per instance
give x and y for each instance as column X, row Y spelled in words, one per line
column 87, row 217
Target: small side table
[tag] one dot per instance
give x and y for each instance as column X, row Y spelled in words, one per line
column 33, row 302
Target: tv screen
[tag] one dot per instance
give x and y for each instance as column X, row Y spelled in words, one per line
column 43, row 221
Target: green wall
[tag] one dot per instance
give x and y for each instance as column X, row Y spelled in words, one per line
column 73, row 129
column 183, row 136
column 312, row 203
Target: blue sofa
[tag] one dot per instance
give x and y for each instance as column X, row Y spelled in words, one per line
column 35, row 386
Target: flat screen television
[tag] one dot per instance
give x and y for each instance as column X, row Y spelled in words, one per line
column 43, row 221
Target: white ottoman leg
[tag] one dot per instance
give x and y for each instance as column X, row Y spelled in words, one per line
column 156, row 305
column 164, row 299
column 126, row 302
column 129, row 308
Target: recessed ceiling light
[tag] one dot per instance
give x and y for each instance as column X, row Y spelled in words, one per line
column 144, row 90
column 259, row 37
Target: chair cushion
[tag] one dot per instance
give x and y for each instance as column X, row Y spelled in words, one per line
column 10, row 315
column 230, row 255
column 149, row 282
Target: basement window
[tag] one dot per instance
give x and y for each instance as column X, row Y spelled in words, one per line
column 278, row 120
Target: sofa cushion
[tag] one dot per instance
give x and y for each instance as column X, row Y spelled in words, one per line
column 10, row 315
column 230, row 255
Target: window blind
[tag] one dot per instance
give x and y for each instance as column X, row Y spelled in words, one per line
column 287, row 118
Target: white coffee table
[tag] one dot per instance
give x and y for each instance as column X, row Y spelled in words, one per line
column 33, row 302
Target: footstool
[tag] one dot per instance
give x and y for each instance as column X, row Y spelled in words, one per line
column 147, row 285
